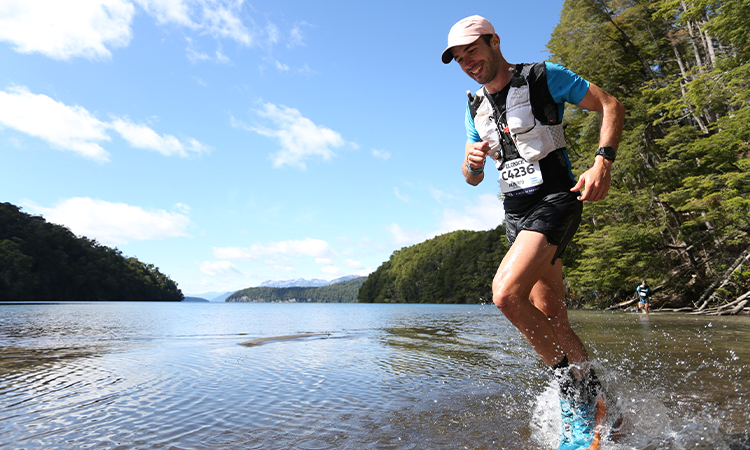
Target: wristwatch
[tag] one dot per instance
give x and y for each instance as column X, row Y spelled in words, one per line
column 607, row 152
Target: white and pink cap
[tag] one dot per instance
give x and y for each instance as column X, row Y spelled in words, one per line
column 466, row 31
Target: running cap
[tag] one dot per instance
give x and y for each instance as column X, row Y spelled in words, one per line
column 466, row 31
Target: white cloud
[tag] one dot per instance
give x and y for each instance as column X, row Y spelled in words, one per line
column 281, row 66
column 326, row 261
column 66, row 127
column 296, row 36
column 439, row 195
column 381, row 154
column 233, row 253
column 63, row 30
column 112, row 223
column 93, row 28
column 74, row 128
column 330, row 270
column 299, row 137
column 218, row 18
column 182, row 207
column 403, row 198
column 485, row 214
column 315, row 248
column 219, row 269
column 221, row 20
column 404, row 238
column 168, row 11
column 352, row 264
column 273, row 33
column 141, row 136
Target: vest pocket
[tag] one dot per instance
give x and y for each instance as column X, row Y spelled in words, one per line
column 518, row 111
column 535, row 144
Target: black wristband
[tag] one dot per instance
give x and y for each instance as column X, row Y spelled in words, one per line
column 474, row 171
column 607, row 152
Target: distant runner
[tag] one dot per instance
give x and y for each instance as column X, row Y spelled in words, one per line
column 643, row 292
column 515, row 119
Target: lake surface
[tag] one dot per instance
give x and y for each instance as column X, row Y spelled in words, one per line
column 175, row 376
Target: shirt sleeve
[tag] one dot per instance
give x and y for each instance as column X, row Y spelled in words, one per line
column 471, row 132
column 565, row 85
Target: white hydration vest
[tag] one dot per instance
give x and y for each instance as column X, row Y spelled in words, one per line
column 533, row 139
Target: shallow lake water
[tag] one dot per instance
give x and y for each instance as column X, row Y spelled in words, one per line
column 351, row 376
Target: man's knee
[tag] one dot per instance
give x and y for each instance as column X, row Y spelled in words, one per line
column 506, row 301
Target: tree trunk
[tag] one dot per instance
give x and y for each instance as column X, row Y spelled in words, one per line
column 709, row 294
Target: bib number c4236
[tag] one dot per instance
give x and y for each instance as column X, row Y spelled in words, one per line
column 519, row 177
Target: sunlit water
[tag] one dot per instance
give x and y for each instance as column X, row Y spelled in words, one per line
column 175, row 376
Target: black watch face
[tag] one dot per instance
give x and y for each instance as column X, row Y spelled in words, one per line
column 607, row 152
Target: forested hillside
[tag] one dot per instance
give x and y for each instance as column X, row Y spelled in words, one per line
column 456, row 267
column 43, row 261
column 678, row 212
column 341, row 292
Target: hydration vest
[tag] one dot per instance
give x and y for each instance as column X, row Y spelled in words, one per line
column 529, row 127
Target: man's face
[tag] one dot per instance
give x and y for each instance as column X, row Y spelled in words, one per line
column 478, row 60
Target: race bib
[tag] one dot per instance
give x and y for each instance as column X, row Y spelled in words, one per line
column 520, row 177
column 643, row 294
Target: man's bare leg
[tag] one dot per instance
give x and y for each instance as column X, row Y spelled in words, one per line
column 527, row 261
column 548, row 295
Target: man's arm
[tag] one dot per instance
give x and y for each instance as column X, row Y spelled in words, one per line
column 596, row 180
column 475, row 156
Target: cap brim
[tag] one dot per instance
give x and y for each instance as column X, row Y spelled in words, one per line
column 447, row 56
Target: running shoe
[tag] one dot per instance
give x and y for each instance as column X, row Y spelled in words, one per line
column 578, row 423
column 586, row 423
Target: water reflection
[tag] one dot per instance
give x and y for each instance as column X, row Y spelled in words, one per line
column 132, row 376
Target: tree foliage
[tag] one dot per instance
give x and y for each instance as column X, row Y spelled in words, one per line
column 678, row 212
column 456, row 267
column 43, row 261
column 341, row 292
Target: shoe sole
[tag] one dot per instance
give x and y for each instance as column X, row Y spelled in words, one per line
column 600, row 427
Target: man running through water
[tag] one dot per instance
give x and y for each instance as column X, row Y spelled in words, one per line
column 643, row 292
column 515, row 120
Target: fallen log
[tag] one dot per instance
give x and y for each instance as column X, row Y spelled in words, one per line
column 624, row 304
column 709, row 295
column 685, row 309
column 734, row 311
column 716, row 309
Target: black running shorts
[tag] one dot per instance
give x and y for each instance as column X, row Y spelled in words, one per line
column 557, row 216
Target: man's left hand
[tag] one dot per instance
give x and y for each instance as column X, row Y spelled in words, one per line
column 595, row 181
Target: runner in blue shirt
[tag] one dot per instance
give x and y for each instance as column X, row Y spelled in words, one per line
column 520, row 130
column 643, row 292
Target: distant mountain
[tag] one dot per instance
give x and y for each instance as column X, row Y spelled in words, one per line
column 213, row 296
column 222, row 297
column 344, row 278
column 195, row 299
column 301, row 282
column 340, row 292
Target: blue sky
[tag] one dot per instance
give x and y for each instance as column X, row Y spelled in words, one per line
column 231, row 142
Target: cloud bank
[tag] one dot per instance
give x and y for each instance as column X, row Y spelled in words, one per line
column 75, row 129
column 485, row 214
column 91, row 29
column 112, row 223
column 300, row 138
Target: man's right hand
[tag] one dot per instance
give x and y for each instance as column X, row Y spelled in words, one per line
column 475, row 157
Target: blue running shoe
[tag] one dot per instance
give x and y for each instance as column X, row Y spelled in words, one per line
column 578, row 423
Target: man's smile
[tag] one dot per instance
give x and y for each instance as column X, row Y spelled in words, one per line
column 476, row 70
